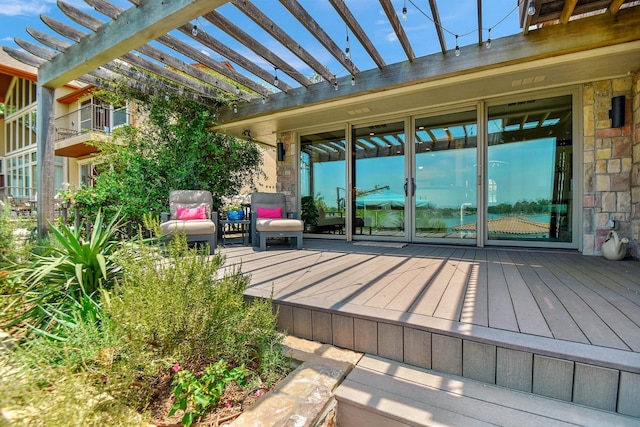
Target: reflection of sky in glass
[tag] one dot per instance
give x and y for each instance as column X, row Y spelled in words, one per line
column 494, row 126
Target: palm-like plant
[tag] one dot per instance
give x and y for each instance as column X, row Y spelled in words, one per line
column 66, row 281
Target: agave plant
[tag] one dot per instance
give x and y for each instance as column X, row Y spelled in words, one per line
column 66, row 281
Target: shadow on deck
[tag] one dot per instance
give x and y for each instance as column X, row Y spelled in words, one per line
column 553, row 323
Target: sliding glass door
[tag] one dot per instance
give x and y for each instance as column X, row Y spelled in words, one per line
column 530, row 171
column 381, row 187
column 498, row 173
column 444, row 172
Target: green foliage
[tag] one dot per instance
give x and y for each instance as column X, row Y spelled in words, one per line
column 182, row 309
column 193, row 395
column 113, row 347
column 173, row 148
column 309, row 212
column 66, row 279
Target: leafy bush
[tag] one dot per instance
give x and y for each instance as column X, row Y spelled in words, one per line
column 194, row 395
column 113, row 348
column 184, row 311
column 66, row 280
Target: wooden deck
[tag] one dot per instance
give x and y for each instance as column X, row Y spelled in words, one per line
column 555, row 323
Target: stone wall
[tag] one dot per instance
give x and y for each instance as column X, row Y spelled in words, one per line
column 634, row 246
column 287, row 172
column 608, row 163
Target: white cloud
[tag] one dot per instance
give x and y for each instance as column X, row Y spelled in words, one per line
column 7, row 39
column 391, row 37
column 25, row 7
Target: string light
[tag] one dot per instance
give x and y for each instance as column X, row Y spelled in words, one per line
column 404, row 11
column 335, row 82
column 457, row 51
column 488, row 43
column 235, row 108
column 276, row 82
column 237, row 90
column 353, row 80
column 264, row 100
column 531, row 9
column 347, row 50
column 194, row 31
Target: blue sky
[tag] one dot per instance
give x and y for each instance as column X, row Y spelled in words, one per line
column 458, row 17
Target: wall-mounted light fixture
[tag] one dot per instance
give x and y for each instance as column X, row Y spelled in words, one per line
column 281, row 152
column 616, row 114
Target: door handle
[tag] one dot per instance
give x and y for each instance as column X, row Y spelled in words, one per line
column 406, row 187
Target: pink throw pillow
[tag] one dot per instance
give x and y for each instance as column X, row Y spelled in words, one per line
column 269, row 212
column 186, row 214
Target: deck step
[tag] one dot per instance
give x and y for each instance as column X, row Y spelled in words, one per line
column 381, row 392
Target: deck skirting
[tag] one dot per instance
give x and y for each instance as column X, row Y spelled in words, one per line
column 601, row 378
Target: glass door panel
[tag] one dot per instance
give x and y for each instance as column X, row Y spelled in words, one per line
column 323, row 182
column 445, row 176
column 529, row 171
column 379, row 197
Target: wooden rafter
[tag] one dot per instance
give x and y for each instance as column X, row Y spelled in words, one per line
column 176, row 45
column 397, row 27
column 236, row 32
column 479, row 22
column 314, row 28
column 567, row 10
column 438, row 23
column 209, row 42
column 341, row 7
column 114, row 70
column 138, row 25
column 205, row 90
column 614, row 6
column 255, row 14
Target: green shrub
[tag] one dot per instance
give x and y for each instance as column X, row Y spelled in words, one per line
column 65, row 280
column 183, row 310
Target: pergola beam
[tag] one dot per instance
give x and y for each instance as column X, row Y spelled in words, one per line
column 341, row 7
column 176, row 45
column 438, row 23
column 279, row 34
column 236, row 32
column 567, row 10
column 137, row 26
column 314, row 28
column 397, row 27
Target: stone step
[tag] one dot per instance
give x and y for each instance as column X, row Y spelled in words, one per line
column 381, row 392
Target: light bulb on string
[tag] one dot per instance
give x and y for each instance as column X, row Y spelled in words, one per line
column 531, row 9
column 194, row 31
column 404, row 13
column 235, row 108
column 335, row 82
column 488, row 44
column 353, row 80
column 457, row 51
column 276, row 82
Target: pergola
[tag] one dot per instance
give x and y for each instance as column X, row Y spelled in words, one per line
column 606, row 41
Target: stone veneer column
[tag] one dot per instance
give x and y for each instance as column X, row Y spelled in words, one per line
column 634, row 246
column 287, row 172
column 607, row 163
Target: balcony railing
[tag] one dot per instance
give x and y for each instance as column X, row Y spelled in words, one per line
column 91, row 118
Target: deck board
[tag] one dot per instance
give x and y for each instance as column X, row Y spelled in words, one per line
column 594, row 328
column 557, row 294
column 501, row 313
column 528, row 315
